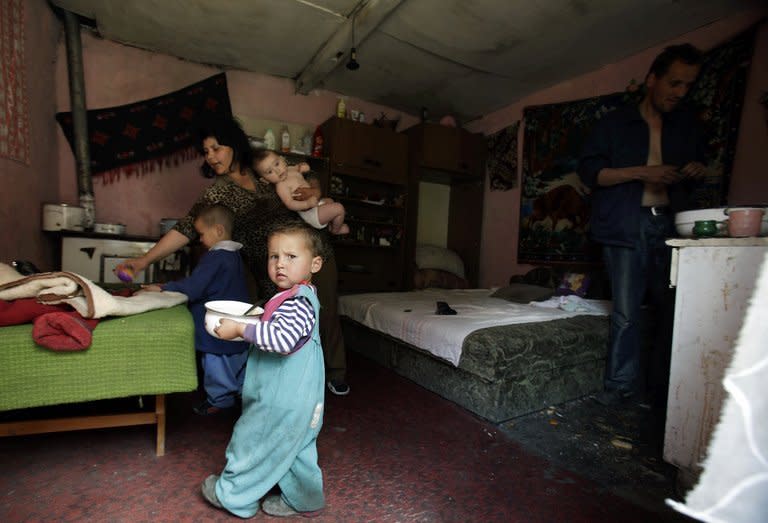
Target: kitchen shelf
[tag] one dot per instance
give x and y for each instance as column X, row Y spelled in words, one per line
column 354, row 201
column 350, row 243
column 372, row 222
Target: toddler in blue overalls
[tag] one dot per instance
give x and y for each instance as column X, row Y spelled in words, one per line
column 274, row 441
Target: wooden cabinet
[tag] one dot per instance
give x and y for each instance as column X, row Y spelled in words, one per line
column 454, row 157
column 319, row 166
column 715, row 278
column 366, row 151
column 368, row 174
column 445, row 154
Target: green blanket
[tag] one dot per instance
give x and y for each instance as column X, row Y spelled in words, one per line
column 143, row 354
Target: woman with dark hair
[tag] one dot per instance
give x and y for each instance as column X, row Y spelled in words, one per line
column 257, row 208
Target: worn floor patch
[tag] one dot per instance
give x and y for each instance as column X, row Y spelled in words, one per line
column 617, row 447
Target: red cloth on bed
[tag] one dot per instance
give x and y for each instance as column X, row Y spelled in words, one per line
column 24, row 310
column 63, row 331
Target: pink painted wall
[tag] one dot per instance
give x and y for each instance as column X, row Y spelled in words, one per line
column 749, row 180
column 24, row 187
column 116, row 74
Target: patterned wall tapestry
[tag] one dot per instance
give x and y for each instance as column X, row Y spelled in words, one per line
column 554, row 204
column 14, row 120
column 142, row 136
column 502, row 158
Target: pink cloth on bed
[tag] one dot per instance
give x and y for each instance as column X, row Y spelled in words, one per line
column 63, row 331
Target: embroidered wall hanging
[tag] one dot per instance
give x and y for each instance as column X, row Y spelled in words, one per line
column 554, row 204
column 502, row 158
column 140, row 137
column 14, row 120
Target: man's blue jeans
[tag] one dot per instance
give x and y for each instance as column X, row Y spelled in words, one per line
column 637, row 273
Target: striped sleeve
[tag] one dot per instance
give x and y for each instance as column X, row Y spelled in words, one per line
column 293, row 320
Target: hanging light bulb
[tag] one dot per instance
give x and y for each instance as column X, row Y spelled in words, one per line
column 352, row 65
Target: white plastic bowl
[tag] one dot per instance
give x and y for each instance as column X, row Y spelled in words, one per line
column 217, row 310
column 685, row 220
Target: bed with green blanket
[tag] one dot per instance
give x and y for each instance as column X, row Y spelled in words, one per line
column 146, row 354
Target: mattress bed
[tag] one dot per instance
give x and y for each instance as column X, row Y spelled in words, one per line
column 495, row 358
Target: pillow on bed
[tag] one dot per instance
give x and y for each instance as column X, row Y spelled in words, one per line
column 573, row 283
column 523, row 293
column 424, row 278
column 9, row 274
column 434, row 257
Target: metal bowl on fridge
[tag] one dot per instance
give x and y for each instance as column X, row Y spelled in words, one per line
column 166, row 224
column 109, row 228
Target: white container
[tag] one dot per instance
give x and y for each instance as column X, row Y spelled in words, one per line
column 269, row 140
column 62, row 217
column 685, row 220
column 217, row 310
column 285, row 140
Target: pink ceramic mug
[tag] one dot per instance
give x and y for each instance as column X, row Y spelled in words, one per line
column 744, row 221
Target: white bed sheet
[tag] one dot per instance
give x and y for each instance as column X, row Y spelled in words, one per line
column 410, row 316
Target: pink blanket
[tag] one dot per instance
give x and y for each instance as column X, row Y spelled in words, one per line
column 63, row 331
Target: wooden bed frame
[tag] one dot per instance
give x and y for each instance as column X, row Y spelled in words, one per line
column 42, row 426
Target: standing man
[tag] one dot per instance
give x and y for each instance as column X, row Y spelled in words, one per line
column 641, row 162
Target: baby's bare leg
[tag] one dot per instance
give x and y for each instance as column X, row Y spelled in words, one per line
column 332, row 213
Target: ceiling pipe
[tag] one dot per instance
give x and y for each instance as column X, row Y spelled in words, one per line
column 366, row 20
column 79, row 116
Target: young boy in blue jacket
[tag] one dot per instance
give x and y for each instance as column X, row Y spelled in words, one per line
column 219, row 275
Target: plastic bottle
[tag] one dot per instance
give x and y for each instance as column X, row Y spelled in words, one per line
column 306, row 144
column 317, row 143
column 285, row 140
column 269, row 140
column 341, row 108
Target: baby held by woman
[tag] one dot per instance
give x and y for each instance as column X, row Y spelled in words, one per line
column 287, row 178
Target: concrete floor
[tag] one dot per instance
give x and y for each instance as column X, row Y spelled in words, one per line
column 619, row 448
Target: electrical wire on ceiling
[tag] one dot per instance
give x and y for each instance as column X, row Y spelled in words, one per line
column 352, row 65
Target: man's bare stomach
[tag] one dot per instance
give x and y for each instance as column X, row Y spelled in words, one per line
column 654, row 194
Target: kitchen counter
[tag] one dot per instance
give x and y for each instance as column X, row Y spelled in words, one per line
column 96, row 255
column 101, row 236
